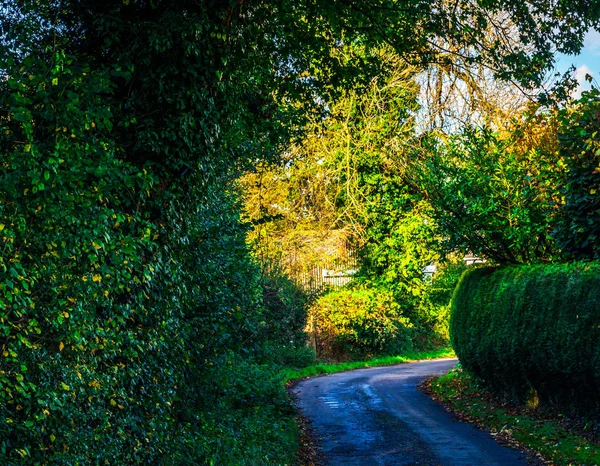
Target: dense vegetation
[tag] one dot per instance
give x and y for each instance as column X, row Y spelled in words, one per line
column 494, row 193
column 348, row 181
column 577, row 228
column 531, row 332
column 135, row 325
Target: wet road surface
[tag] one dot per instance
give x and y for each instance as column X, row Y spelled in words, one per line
column 377, row 416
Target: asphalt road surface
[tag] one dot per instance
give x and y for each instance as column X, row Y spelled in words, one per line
column 377, row 416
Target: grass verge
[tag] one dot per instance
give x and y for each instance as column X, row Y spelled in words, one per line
column 550, row 437
column 330, row 368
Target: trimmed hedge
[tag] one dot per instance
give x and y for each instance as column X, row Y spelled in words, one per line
column 532, row 331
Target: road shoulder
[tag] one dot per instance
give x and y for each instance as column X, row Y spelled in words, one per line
column 545, row 437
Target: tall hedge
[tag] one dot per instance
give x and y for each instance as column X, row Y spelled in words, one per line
column 131, row 322
column 529, row 330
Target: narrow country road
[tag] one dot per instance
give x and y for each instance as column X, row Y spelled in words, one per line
column 377, row 416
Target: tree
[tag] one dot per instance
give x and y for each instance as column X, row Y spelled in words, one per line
column 329, row 185
column 127, row 291
column 577, row 225
column 348, row 178
column 494, row 194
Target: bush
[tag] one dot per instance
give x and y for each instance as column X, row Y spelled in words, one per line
column 358, row 323
column 532, row 331
column 89, row 343
column 284, row 304
column 121, row 292
column 247, row 417
column 490, row 192
column 433, row 311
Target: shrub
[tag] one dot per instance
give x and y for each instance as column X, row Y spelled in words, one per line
column 247, row 417
column 490, row 192
column 532, row 331
column 284, row 314
column 358, row 323
column 433, row 312
column 121, row 293
column 283, row 319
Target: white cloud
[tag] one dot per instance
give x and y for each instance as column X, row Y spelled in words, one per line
column 591, row 42
column 582, row 83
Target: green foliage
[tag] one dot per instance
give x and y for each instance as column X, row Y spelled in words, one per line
column 532, row 330
column 284, row 319
column 78, row 272
column 364, row 152
column 402, row 241
column 127, row 291
column 334, row 181
column 357, row 323
column 578, row 225
column 493, row 194
column 433, row 309
column 349, row 179
column 246, row 418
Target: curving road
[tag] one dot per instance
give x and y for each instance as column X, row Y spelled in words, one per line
column 377, row 416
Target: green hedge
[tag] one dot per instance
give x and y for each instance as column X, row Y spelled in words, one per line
column 132, row 324
column 532, row 330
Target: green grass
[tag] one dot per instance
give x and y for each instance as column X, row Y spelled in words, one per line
column 327, row 368
column 529, row 427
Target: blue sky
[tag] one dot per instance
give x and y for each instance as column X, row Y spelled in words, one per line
column 587, row 62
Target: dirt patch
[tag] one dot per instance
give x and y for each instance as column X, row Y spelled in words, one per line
column 309, row 453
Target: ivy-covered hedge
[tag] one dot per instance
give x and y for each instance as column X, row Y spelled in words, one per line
column 532, row 330
column 133, row 324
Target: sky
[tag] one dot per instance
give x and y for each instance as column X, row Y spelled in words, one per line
column 587, row 62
